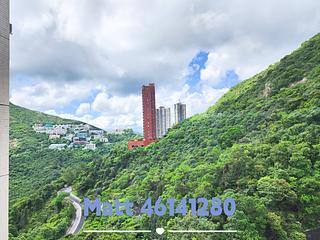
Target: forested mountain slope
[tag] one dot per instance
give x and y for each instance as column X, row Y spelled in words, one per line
column 38, row 173
column 34, row 176
column 31, row 164
column 259, row 144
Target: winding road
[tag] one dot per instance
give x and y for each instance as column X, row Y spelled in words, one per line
column 78, row 221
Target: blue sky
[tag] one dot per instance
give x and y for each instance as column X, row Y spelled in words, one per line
column 197, row 64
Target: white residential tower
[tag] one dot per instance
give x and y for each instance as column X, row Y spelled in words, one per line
column 180, row 112
column 163, row 121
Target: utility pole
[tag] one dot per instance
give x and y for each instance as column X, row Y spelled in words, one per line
column 5, row 30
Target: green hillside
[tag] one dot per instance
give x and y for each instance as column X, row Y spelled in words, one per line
column 37, row 174
column 259, row 144
column 31, row 165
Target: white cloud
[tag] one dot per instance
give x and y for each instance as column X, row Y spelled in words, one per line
column 116, row 104
column 84, row 118
column 196, row 102
column 119, row 121
column 84, row 108
column 216, row 67
column 44, row 95
column 126, row 43
column 126, row 112
column 117, row 111
column 245, row 56
column 66, row 51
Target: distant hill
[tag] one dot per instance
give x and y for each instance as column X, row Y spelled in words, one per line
column 27, row 117
column 37, row 174
column 25, row 166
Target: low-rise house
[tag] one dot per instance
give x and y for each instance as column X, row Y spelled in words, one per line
column 69, row 137
column 90, row 146
column 80, row 143
column 81, row 127
column 48, row 125
column 100, row 138
column 57, row 146
column 57, row 131
column 104, row 140
column 82, row 135
column 54, row 136
column 79, row 135
column 38, row 128
column 96, row 132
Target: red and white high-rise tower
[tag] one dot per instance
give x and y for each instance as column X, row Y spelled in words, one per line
column 149, row 113
column 149, row 118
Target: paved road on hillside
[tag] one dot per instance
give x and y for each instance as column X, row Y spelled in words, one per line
column 78, row 221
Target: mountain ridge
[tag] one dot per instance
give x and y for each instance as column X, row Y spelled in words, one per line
column 41, row 117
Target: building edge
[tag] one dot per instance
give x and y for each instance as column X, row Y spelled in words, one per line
column 5, row 30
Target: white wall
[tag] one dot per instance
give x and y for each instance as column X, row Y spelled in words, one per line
column 4, row 117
